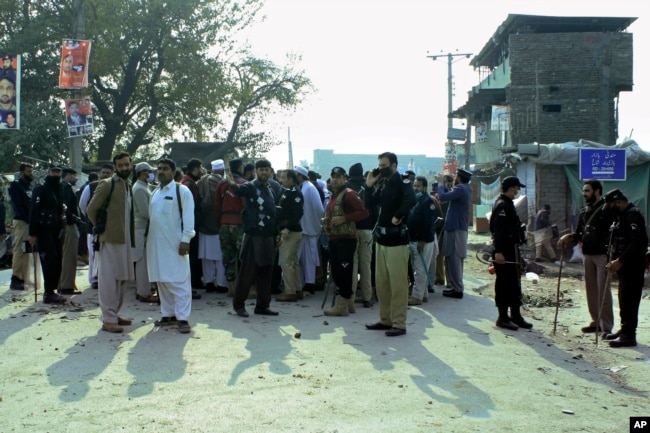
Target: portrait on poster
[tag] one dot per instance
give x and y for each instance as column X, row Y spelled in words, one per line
column 9, row 91
column 79, row 117
column 73, row 73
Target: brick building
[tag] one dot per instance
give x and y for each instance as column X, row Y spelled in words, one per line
column 546, row 79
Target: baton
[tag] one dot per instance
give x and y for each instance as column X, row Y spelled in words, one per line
column 35, row 280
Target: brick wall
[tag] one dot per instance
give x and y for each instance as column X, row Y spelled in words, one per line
column 578, row 73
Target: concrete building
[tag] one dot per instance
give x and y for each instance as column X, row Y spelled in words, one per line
column 546, row 79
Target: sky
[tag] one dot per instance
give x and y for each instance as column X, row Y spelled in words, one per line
column 376, row 89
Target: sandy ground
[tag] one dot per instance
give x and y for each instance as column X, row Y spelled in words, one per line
column 453, row 372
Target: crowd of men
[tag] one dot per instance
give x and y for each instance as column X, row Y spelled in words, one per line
column 374, row 236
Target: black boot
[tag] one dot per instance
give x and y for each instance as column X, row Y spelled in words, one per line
column 518, row 320
column 504, row 321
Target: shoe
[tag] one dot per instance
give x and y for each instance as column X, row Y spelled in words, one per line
column 221, row 289
column 184, row 327
column 431, row 290
column 539, row 259
column 507, row 324
column 623, row 341
column 83, row 259
column 395, row 332
column 210, row 288
column 265, row 312
column 414, row 301
column 378, row 326
column 123, row 322
column 69, row 292
column 152, row 299
column 166, row 321
column 309, row 288
column 112, row 327
column 276, row 291
column 53, row 298
column 613, row 336
column 604, row 335
column 195, row 295
column 425, row 299
column 453, row 294
column 300, row 295
column 94, row 286
column 591, row 329
column 367, row 304
column 558, row 263
column 289, row 297
column 16, row 284
column 519, row 321
column 242, row 312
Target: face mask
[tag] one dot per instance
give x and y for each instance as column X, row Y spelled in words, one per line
column 150, row 178
column 418, row 195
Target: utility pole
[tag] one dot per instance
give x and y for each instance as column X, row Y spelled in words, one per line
column 76, row 146
column 450, row 155
column 290, row 148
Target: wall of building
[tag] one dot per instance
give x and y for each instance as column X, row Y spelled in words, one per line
column 551, row 187
column 578, row 74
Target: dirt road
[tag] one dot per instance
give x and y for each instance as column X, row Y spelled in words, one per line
column 454, row 371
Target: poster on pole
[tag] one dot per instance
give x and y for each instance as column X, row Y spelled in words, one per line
column 79, row 117
column 9, row 91
column 73, row 73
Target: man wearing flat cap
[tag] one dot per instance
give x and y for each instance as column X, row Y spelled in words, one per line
column 343, row 210
column 506, row 237
column 210, row 254
column 630, row 245
column 141, row 201
column 454, row 243
column 67, row 284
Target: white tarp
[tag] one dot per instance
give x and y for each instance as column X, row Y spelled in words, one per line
column 569, row 153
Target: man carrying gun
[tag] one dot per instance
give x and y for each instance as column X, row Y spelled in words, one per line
column 630, row 244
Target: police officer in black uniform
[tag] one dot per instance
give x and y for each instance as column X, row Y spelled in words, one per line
column 505, row 227
column 630, row 244
column 46, row 224
column 290, row 211
column 395, row 198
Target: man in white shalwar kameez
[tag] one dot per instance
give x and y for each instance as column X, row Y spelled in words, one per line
column 214, row 272
column 171, row 227
column 113, row 260
column 311, row 230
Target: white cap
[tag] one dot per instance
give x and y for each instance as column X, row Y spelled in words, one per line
column 217, row 164
column 301, row 170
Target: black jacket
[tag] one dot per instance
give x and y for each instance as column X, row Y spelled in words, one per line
column 395, row 198
column 47, row 209
column 20, row 193
column 505, row 227
column 290, row 209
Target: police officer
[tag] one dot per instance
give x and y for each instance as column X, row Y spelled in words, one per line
column 20, row 193
column 290, row 212
column 506, row 237
column 630, row 244
column 46, row 224
column 395, row 198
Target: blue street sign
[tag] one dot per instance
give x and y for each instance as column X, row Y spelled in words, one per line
column 602, row 164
